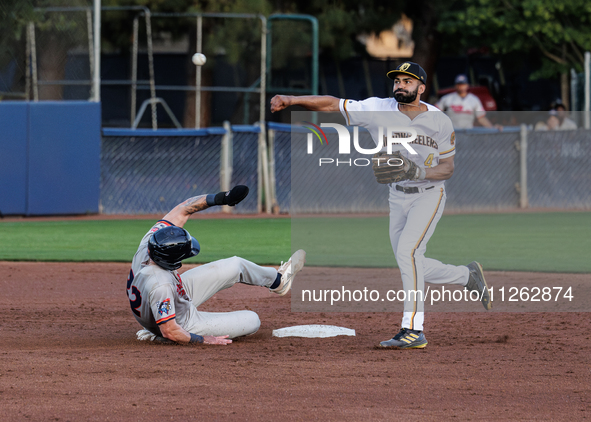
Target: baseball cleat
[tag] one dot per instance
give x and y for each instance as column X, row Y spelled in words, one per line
column 288, row 272
column 477, row 282
column 406, row 339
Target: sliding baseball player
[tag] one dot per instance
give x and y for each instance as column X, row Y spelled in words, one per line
column 166, row 303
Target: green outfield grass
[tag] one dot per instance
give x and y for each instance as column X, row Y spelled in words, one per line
column 265, row 241
column 550, row 242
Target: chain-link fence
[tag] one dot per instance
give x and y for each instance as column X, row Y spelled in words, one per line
column 558, row 172
column 486, row 172
column 147, row 172
column 60, row 45
column 279, row 136
column 491, row 172
column 13, row 50
column 152, row 174
column 245, row 165
column 45, row 54
column 302, row 186
column 338, row 185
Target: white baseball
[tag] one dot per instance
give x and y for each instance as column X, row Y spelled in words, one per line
column 199, row 59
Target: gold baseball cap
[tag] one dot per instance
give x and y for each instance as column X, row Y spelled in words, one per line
column 409, row 68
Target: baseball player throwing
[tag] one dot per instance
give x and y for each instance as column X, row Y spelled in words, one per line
column 416, row 187
column 165, row 303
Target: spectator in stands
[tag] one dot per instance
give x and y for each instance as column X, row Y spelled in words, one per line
column 557, row 119
column 551, row 123
column 565, row 122
column 463, row 107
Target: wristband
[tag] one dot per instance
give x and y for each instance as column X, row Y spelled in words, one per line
column 422, row 174
column 195, row 338
column 216, row 199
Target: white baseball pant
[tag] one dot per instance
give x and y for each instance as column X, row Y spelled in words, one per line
column 204, row 281
column 413, row 218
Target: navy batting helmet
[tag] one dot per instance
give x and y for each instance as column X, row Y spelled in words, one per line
column 170, row 245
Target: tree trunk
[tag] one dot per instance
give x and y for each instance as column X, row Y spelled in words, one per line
column 52, row 55
column 564, row 83
column 19, row 82
column 426, row 40
column 565, row 90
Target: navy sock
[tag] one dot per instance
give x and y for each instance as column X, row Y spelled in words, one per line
column 276, row 282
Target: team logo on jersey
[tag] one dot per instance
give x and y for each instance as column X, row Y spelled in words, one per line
column 453, row 138
column 316, row 129
column 164, row 307
column 157, row 227
column 160, row 225
column 404, row 66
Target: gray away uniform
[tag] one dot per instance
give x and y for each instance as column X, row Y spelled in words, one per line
column 157, row 295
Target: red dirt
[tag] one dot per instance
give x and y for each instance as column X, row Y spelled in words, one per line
column 68, row 352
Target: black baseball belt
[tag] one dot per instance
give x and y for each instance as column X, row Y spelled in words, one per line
column 413, row 189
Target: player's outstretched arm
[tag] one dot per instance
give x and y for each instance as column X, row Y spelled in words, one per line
column 310, row 102
column 487, row 123
column 181, row 213
column 174, row 332
column 442, row 171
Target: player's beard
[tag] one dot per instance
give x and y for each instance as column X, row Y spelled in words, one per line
column 406, row 98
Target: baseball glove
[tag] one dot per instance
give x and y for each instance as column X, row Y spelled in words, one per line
column 393, row 168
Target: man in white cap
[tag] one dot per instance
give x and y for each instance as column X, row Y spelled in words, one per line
column 463, row 107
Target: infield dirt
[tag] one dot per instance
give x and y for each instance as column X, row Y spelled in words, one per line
column 68, row 352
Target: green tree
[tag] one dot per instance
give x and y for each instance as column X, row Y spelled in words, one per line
column 341, row 21
column 558, row 31
column 55, row 34
column 13, row 19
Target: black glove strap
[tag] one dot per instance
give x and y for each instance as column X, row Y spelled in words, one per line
column 216, row 199
column 220, row 198
column 231, row 197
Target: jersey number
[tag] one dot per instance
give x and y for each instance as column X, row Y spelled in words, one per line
column 137, row 302
column 429, row 161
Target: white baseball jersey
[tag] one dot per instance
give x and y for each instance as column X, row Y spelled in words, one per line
column 155, row 294
column 461, row 111
column 435, row 134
